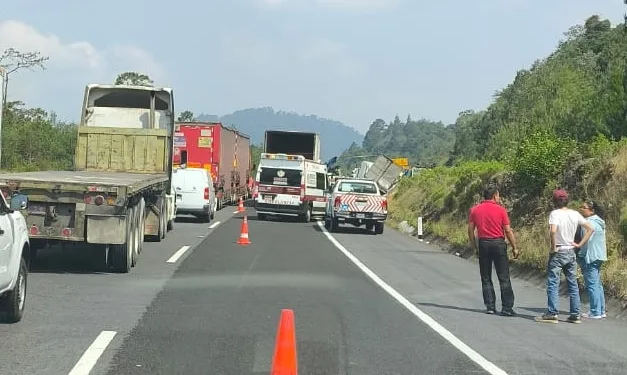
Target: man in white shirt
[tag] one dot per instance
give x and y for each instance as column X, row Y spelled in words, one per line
column 563, row 223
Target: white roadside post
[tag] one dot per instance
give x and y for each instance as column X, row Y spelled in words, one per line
column 419, row 228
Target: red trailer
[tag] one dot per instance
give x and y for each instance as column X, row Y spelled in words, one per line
column 223, row 151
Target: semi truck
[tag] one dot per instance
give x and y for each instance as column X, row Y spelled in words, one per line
column 292, row 143
column 120, row 189
column 224, row 151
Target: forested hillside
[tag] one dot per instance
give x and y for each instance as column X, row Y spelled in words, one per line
column 423, row 142
column 561, row 123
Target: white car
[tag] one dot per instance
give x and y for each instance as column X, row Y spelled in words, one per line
column 14, row 256
column 195, row 193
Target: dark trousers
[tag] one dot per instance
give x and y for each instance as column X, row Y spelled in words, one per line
column 494, row 251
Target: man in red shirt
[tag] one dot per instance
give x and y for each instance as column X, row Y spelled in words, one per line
column 492, row 223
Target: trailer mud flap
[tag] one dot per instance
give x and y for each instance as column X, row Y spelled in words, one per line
column 106, row 229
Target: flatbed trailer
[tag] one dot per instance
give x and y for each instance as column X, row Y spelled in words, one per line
column 121, row 189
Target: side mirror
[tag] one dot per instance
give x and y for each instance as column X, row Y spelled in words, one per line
column 19, row 202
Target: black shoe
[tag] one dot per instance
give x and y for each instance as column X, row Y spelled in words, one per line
column 574, row 319
column 509, row 312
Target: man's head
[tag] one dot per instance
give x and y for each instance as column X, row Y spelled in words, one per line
column 491, row 192
column 560, row 198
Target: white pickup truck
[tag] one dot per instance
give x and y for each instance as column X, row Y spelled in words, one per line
column 14, row 255
column 358, row 202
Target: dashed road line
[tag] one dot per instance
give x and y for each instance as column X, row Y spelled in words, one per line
column 214, row 225
column 178, row 254
column 89, row 359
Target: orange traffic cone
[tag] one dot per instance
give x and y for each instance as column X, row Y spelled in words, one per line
column 241, row 208
column 243, row 237
column 285, row 359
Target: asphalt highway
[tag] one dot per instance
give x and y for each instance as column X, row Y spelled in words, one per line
column 198, row 303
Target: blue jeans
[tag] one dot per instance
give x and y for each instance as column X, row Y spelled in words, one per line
column 562, row 261
column 592, row 279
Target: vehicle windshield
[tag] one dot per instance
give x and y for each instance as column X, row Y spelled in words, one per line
column 280, row 177
column 357, row 187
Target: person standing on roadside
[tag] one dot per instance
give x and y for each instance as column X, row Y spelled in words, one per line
column 563, row 223
column 492, row 223
column 591, row 257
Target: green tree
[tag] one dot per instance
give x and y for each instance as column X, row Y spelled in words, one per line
column 186, row 116
column 133, row 79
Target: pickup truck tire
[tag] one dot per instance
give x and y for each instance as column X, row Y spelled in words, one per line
column 13, row 303
column 334, row 225
column 378, row 228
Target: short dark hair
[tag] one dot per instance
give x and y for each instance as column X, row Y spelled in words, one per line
column 490, row 191
column 560, row 202
column 595, row 207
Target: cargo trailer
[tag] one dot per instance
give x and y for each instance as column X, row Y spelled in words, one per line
column 222, row 150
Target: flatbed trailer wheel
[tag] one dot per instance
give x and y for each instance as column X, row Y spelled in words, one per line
column 141, row 212
column 122, row 254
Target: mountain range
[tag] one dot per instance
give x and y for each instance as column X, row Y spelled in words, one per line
column 335, row 137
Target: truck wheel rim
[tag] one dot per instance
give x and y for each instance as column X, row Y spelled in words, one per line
column 21, row 294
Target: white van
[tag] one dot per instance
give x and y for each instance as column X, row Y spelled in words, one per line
column 195, row 194
column 289, row 185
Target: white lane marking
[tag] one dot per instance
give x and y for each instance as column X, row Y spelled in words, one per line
column 236, row 212
column 448, row 336
column 178, row 254
column 214, row 225
column 87, row 362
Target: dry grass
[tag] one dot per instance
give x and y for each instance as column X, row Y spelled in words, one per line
column 607, row 183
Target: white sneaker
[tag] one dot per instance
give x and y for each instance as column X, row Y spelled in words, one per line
column 590, row 316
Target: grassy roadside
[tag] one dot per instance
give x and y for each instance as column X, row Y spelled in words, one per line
column 443, row 196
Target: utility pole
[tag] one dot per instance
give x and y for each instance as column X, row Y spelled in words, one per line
column 625, row 16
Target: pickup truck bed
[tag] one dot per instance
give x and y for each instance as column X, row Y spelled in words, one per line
column 131, row 181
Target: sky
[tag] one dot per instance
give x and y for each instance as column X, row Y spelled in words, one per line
column 347, row 60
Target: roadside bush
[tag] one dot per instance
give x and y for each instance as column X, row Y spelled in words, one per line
column 539, row 158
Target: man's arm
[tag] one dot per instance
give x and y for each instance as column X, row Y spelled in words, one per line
column 509, row 233
column 471, row 235
column 552, row 231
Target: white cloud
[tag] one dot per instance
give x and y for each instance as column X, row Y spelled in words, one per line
column 71, row 66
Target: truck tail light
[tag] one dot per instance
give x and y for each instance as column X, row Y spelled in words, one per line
column 384, row 204
column 337, row 202
column 206, row 193
column 255, row 190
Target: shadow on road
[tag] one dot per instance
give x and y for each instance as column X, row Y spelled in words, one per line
column 76, row 259
column 523, row 316
column 348, row 229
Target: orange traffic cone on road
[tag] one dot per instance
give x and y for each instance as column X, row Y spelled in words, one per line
column 243, row 237
column 241, row 208
column 285, row 359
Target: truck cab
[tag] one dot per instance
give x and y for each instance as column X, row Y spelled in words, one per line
column 14, row 255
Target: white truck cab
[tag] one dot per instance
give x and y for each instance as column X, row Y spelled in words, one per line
column 14, row 255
